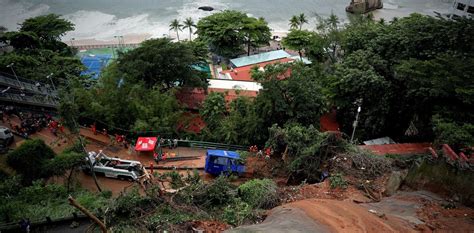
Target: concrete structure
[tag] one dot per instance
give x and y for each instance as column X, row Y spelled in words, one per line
column 241, row 67
column 364, row 6
column 462, row 8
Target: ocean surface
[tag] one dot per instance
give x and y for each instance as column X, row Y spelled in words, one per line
column 104, row 19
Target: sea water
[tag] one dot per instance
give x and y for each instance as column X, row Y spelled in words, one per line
column 104, row 19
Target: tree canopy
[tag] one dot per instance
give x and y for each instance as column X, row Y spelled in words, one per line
column 29, row 158
column 226, row 32
column 406, row 71
column 162, row 63
column 38, row 51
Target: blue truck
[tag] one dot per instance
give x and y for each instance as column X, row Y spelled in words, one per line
column 223, row 162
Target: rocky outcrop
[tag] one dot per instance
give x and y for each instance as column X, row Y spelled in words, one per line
column 394, row 182
column 364, row 6
column 206, row 8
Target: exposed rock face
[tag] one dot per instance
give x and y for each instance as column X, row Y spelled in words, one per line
column 364, row 6
column 394, row 182
column 206, row 8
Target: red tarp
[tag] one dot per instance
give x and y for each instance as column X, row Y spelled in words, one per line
column 146, row 144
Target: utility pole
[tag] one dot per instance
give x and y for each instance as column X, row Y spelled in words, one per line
column 354, row 125
column 50, row 79
column 13, row 71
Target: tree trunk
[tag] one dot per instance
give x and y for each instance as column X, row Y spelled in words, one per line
column 190, row 33
column 177, row 34
column 74, row 203
column 301, row 56
column 94, row 176
column 68, row 186
column 248, row 47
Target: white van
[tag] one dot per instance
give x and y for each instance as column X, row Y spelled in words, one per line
column 6, row 136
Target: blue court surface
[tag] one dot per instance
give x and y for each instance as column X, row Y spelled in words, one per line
column 94, row 64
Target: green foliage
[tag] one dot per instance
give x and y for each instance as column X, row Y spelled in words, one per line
column 39, row 51
column 456, row 135
column 406, row 71
column 130, row 106
column 166, row 216
column 213, row 109
column 306, row 149
column 48, row 27
column 226, row 32
column 29, row 160
column 337, row 181
column 302, row 40
column 210, row 196
column 286, row 98
column 445, row 178
column 63, row 162
column 176, row 26
column 41, row 200
column 189, row 24
column 237, row 212
column 129, row 205
column 259, row 193
column 162, row 64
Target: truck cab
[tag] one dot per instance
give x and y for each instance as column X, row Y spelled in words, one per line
column 223, row 162
column 114, row 167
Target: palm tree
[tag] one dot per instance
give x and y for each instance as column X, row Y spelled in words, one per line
column 302, row 20
column 176, row 26
column 294, row 22
column 189, row 23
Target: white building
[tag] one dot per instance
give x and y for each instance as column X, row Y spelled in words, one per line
column 462, row 8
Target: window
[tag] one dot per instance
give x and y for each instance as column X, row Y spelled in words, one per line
column 461, row 6
column 470, row 10
column 219, row 160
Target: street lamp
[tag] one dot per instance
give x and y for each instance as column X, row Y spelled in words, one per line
column 50, row 79
column 18, row 80
column 120, row 40
column 354, row 125
column 72, row 41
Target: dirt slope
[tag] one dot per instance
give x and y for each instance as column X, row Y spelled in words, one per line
column 345, row 216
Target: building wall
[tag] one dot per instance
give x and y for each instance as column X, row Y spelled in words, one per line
column 463, row 8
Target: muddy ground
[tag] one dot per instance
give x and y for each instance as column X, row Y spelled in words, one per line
column 306, row 208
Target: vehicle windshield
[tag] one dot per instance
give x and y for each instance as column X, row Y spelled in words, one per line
column 7, row 131
column 219, row 160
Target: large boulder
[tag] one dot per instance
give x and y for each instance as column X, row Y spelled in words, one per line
column 394, row 182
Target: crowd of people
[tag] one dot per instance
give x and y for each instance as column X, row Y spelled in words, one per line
column 29, row 122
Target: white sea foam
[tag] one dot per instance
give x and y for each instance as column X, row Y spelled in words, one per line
column 102, row 26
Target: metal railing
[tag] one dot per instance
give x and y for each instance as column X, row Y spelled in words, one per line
column 26, row 85
column 36, row 100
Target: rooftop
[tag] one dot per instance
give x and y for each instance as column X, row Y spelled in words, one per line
column 224, row 153
column 259, row 58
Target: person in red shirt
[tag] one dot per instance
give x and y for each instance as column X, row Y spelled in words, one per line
column 268, row 152
column 94, row 129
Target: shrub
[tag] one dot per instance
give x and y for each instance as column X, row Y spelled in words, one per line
column 337, row 181
column 29, row 159
column 215, row 194
column 259, row 193
column 237, row 212
column 129, row 204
